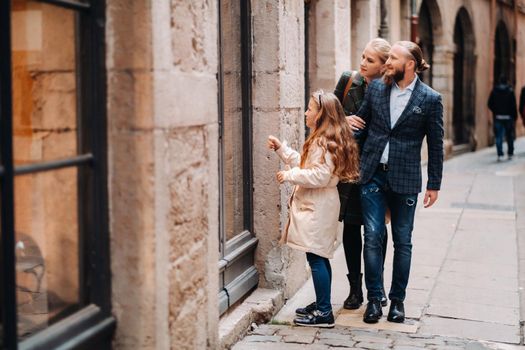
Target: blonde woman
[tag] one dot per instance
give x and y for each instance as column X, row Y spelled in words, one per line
column 350, row 91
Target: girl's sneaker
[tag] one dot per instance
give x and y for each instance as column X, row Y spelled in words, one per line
column 307, row 310
column 316, row 319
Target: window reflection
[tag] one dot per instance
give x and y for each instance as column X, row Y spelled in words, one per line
column 47, row 248
column 44, row 82
column 232, row 123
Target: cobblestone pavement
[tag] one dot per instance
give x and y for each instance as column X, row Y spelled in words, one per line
column 277, row 337
column 467, row 277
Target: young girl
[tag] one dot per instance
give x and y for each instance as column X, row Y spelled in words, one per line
column 329, row 155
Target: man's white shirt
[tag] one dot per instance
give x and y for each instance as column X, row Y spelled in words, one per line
column 398, row 101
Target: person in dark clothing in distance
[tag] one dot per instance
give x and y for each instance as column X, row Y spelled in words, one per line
column 502, row 103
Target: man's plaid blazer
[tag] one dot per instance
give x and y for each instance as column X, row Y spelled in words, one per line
column 423, row 116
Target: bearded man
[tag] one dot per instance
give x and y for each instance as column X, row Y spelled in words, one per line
column 397, row 113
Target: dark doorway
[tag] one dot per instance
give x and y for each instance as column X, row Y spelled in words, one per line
column 426, row 40
column 503, row 56
column 463, row 118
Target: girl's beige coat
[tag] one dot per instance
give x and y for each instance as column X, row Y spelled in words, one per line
column 314, row 205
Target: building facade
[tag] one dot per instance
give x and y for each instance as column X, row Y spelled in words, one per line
column 139, row 201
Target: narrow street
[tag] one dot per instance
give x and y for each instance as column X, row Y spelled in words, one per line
column 467, row 277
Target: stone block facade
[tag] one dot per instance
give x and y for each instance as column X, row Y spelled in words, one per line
column 163, row 181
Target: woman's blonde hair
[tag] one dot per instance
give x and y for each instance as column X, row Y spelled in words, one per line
column 382, row 47
column 333, row 134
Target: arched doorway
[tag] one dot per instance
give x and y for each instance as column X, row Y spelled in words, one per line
column 503, row 62
column 426, row 39
column 463, row 115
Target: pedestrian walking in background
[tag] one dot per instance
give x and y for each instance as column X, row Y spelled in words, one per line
column 350, row 90
column 502, row 103
column 399, row 112
column 329, row 155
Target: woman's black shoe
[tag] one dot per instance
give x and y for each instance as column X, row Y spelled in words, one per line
column 316, row 319
column 307, row 310
column 355, row 298
column 373, row 312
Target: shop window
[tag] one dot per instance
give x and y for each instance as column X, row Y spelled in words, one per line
column 55, row 247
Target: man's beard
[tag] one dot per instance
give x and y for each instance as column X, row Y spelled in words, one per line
column 397, row 76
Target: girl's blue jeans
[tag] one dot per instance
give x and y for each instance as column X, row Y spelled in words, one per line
column 322, row 278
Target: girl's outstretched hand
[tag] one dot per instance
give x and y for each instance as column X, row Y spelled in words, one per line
column 280, row 176
column 273, row 143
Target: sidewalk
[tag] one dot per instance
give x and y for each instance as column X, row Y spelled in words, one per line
column 467, row 277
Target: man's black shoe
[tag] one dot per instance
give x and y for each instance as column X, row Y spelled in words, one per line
column 316, row 319
column 307, row 310
column 397, row 311
column 373, row 312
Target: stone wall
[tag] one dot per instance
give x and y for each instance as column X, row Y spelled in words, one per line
column 163, row 172
column 278, row 102
column 364, row 26
column 329, row 46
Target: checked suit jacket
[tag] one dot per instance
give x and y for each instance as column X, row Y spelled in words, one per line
column 422, row 116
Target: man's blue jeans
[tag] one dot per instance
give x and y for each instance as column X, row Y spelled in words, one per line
column 376, row 195
column 322, row 278
column 504, row 128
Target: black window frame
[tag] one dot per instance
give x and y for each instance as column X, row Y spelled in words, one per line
column 92, row 325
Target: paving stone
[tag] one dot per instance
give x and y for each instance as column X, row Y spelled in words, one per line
column 373, row 339
column 445, row 292
column 434, row 341
column 420, row 336
column 277, row 346
column 262, row 338
column 337, row 330
column 299, row 338
column 303, row 331
column 456, row 342
column 339, row 343
column 334, row 335
column 373, row 346
column 367, row 332
column 406, row 347
column 471, row 329
column 476, row 346
column 408, row 342
column 265, row 330
column 348, row 319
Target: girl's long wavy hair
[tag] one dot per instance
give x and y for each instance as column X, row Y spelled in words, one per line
column 333, row 134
